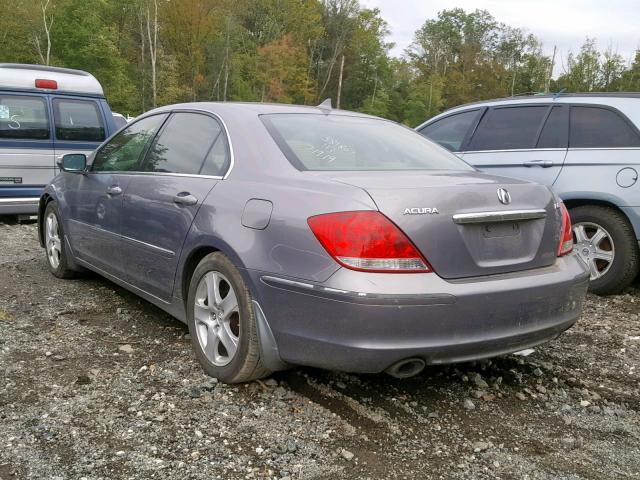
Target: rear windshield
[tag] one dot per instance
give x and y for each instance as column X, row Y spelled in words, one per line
column 342, row 142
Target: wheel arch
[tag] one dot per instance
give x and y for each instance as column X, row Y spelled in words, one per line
column 45, row 199
column 572, row 201
column 192, row 256
column 191, row 262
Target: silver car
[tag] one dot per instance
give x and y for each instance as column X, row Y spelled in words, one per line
column 287, row 235
column 585, row 146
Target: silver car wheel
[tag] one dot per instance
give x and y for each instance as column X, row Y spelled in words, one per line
column 217, row 318
column 595, row 245
column 52, row 240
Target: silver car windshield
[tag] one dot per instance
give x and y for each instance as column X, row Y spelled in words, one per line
column 344, row 142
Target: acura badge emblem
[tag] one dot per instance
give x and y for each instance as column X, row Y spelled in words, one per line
column 504, row 196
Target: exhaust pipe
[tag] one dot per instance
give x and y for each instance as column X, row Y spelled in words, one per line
column 406, row 368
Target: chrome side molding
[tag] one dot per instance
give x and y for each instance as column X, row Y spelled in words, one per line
column 499, row 216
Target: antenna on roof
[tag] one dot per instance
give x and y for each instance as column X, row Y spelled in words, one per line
column 557, row 94
column 326, row 106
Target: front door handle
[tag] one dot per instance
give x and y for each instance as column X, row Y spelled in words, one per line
column 185, row 198
column 538, row 163
column 114, row 190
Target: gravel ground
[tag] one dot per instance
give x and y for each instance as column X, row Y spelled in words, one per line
column 98, row 384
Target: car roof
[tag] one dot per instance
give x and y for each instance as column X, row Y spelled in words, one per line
column 551, row 96
column 23, row 77
column 618, row 100
column 257, row 108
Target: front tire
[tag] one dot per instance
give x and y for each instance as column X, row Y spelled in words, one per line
column 221, row 321
column 58, row 258
column 605, row 240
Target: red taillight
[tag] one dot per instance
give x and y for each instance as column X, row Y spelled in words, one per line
column 367, row 241
column 48, row 84
column 566, row 236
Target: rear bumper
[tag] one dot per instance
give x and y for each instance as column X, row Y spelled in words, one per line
column 19, row 206
column 362, row 322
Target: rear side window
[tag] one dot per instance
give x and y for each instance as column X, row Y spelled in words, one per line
column 593, row 127
column 217, row 161
column 555, row 133
column 183, row 145
column 23, row 117
column 78, row 120
column 509, row 128
column 122, row 152
column 450, row 131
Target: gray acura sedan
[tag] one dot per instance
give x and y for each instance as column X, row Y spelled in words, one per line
column 288, row 235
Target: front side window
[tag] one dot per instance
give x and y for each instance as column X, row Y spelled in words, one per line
column 593, row 127
column 23, row 117
column 345, row 142
column 451, row 131
column 183, row 145
column 122, row 153
column 508, row 128
column 78, row 120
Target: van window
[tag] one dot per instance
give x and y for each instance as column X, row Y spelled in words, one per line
column 508, row 128
column 23, row 117
column 78, row 120
column 594, row 127
column 450, row 131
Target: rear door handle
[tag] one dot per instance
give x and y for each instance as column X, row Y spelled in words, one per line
column 538, row 163
column 185, row 198
column 114, row 190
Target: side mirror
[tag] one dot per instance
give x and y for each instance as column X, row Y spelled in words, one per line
column 74, row 162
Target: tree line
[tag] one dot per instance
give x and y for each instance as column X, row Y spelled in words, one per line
column 153, row 52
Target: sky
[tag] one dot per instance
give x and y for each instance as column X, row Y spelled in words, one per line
column 565, row 23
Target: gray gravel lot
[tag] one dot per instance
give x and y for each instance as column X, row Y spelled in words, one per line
column 98, row 384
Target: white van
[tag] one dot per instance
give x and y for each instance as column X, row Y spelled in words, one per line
column 45, row 112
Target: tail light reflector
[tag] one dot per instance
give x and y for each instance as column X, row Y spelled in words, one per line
column 367, row 241
column 566, row 236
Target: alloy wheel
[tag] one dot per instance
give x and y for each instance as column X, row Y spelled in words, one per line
column 52, row 240
column 217, row 318
column 595, row 245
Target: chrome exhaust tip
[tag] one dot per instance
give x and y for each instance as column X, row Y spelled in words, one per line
column 406, row 368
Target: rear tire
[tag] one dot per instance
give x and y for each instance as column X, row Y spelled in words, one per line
column 58, row 256
column 222, row 323
column 590, row 222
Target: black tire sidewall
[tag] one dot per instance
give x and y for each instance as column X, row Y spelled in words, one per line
column 625, row 261
column 218, row 262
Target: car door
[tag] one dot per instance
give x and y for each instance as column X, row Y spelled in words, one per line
column 183, row 164
column 79, row 125
column 26, row 147
column 521, row 141
column 604, row 153
column 95, row 202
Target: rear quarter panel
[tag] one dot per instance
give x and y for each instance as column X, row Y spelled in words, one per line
column 286, row 247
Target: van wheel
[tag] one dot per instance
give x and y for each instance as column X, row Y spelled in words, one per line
column 221, row 321
column 55, row 247
column 605, row 240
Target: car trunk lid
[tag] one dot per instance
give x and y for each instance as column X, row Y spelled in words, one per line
column 458, row 222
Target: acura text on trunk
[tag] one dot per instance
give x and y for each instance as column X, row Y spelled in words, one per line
column 288, row 235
